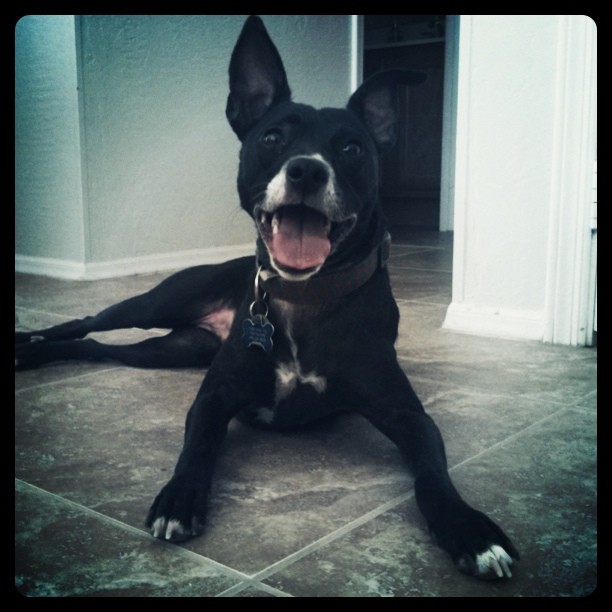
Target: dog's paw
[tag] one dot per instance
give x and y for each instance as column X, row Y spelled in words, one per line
column 28, row 352
column 23, row 337
column 477, row 545
column 178, row 512
column 491, row 564
column 173, row 530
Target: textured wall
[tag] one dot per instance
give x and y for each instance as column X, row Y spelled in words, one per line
column 158, row 158
column 48, row 192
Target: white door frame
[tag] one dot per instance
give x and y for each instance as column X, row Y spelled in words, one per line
column 449, row 125
column 572, row 253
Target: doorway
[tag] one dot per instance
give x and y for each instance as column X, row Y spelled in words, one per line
column 412, row 172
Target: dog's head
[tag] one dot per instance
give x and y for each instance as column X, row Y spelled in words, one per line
column 309, row 178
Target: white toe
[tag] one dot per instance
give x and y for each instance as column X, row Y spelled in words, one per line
column 158, row 527
column 494, row 559
column 175, row 529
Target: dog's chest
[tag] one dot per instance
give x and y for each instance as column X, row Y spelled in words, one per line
column 297, row 385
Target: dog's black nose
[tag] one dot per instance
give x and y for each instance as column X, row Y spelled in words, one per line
column 307, row 174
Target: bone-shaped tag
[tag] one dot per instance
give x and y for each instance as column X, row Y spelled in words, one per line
column 257, row 331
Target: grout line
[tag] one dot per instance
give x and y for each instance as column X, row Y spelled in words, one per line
column 45, row 313
column 242, row 586
column 416, row 250
column 421, row 247
column 427, row 302
column 579, row 405
column 245, row 580
column 417, row 269
column 512, row 437
column 423, row 300
column 476, row 392
column 135, row 531
column 68, row 378
column 330, row 537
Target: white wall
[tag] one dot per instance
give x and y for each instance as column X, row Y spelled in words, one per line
column 49, row 205
column 512, row 118
column 137, row 170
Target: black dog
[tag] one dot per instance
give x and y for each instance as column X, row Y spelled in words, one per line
column 308, row 326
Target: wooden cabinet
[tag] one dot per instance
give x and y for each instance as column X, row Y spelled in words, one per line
column 410, row 172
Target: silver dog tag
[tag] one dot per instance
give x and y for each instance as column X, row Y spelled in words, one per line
column 257, row 331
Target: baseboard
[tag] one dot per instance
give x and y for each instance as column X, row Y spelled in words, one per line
column 47, row 266
column 75, row 270
column 500, row 323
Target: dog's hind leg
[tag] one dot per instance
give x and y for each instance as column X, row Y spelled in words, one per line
column 185, row 347
column 138, row 311
column 62, row 341
column 77, row 328
column 182, row 300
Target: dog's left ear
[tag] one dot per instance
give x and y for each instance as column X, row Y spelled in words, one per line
column 375, row 103
column 257, row 77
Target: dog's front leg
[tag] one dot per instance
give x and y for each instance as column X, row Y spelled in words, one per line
column 179, row 510
column 476, row 544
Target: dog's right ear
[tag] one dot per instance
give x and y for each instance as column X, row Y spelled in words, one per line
column 375, row 103
column 257, row 77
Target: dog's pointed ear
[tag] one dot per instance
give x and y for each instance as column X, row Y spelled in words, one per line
column 257, row 77
column 375, row 103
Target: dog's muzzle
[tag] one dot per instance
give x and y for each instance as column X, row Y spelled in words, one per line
column 299, row 238
column 300, row 220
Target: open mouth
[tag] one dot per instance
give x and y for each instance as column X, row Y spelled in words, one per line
column 299, row 238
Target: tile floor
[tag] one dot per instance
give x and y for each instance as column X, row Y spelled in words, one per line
column 328, row 511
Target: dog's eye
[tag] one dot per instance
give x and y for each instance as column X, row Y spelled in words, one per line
column 352, row 147
column 272, row 138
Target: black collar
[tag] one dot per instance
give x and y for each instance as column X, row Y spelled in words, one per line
column 325, row 287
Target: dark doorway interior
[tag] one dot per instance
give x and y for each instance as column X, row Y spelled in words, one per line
column 410, row 173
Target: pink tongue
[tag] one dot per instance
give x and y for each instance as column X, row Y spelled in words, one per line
column 301, row 241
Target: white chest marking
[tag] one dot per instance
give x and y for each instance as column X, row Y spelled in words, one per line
column 289, row 374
